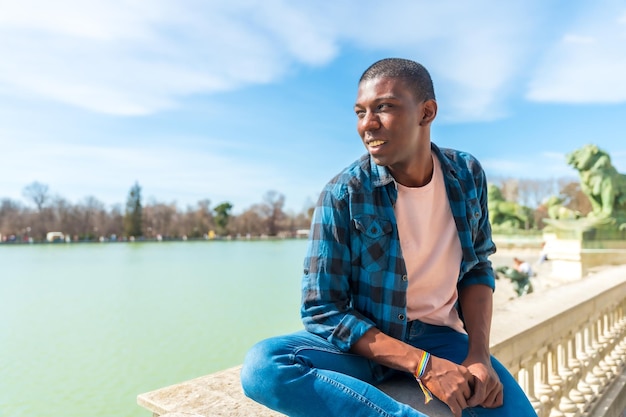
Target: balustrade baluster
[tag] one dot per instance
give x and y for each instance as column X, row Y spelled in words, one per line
column 526, row 379
column 556, row 381
column 584, row 359
column 577, row 397
column 605, row 339
column 566, row 405
column 545, row 392
column 591, row 378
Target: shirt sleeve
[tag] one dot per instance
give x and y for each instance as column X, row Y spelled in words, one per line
column 482, row 272
column 327, row 307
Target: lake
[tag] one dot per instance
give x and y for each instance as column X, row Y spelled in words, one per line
column 86, row 327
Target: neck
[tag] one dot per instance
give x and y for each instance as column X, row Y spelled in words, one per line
column 418, row 174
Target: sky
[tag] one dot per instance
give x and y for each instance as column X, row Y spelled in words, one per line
column 227, row 100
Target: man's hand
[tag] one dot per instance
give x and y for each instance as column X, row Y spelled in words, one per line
column 449, row 382
column 488, row 391
column 477, row 306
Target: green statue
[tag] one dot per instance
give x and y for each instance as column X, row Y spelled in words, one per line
column 505, row 215
column 556, row 209
column 600, row 181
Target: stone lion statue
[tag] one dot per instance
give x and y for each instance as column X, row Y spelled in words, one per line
column 505, row 214
column 600, row 181
column 556, row 209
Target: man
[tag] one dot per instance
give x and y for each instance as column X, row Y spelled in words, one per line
column 519, row 275
column 523, row 267
column 396, row 276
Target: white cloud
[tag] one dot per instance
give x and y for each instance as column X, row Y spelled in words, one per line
column 588, row 63
column 132, row 58
column 125, row 57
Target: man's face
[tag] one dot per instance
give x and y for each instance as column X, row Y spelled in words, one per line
column 390, row 122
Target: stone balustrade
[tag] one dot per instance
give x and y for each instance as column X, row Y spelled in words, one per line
column 571, row 346
column 566, row 345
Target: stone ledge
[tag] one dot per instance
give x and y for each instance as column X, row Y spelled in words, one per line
column 220, row 395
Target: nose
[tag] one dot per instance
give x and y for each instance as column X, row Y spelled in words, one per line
column 369, row 121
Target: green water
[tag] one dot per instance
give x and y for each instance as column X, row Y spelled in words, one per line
column 84, row 328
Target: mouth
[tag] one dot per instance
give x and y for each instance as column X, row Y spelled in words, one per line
column 375, row 143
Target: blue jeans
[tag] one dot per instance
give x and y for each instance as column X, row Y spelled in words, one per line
column 302, row 374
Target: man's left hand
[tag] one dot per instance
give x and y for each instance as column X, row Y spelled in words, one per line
column 488, row 391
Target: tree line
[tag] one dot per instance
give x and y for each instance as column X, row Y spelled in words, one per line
column 91, row 220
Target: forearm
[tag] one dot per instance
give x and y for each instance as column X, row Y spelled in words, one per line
column 387, row 351
column 477, row 306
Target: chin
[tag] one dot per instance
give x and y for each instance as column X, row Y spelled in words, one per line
column 380, row 161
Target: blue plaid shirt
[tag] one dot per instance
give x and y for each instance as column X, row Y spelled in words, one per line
column 354, row 275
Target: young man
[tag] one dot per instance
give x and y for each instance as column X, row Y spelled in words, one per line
column 396, row 277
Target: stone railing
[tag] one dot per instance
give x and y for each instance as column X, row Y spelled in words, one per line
column 566, row 345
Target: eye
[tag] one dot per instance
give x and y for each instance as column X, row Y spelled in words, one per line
column 383, row 106
column 360, row 113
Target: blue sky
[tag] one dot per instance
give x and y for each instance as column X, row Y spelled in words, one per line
column 226, row 100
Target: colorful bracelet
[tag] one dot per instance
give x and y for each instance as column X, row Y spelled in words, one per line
column 419, row 372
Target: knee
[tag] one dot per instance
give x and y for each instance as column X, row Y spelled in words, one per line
column 259, row 373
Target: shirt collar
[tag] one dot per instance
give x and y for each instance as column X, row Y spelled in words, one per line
column 380, row 175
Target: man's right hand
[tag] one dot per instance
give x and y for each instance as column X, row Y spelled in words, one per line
column 449, row 382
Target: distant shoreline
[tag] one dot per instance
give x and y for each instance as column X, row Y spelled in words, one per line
column 152, row 240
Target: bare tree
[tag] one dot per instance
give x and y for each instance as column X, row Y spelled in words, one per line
column 91, row 218
column 157, row 219
column 114, row 225
column 532, row 192
column 163, row 219
column 202, row 218
column 272, row 210
column 38, row 193
column 574, row 198
column 65, row 216
column 249, row 222
column 12, row 219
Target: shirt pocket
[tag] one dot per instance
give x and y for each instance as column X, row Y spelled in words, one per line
column 375, row 238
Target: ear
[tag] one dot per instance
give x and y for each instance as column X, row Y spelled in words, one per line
column 429, row 112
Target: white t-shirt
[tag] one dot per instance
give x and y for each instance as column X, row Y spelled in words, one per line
column 525, row 268
column 431, row 249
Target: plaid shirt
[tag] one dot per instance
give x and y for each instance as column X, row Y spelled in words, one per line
column 354, row 275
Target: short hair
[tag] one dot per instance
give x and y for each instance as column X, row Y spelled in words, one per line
column 414, row 74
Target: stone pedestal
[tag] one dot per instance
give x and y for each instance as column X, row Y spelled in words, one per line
column 573, row 253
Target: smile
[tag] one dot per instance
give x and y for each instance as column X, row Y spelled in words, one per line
column 375, row 143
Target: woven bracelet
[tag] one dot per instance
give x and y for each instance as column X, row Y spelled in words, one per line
column 419, row 372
